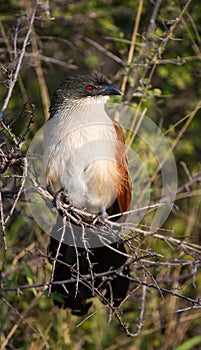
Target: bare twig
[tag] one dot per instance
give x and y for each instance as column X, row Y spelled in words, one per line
column 19, row 192
column 56, row 256
column 52, row 60
column 77, row 258
column 3, row 223
column 105, row 51
column 17, row 70
column 132, row 45
column 19, row 321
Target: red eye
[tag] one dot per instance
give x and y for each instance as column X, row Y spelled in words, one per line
column 89, row 88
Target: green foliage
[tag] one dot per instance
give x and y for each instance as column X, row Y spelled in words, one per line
column 190, row 344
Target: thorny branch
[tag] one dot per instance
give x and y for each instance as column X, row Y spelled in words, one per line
column 13, row 164
column 136, row 257
column 139, row 260
column 87, row 281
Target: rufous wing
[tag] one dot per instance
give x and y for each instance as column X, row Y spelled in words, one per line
column 124, row 187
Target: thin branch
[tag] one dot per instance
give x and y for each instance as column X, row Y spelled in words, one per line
column 19, row 192
column 18, row 67
column 52, row 60
column 132, row 45
column 19, row 321
column 107, row 273
column 3, row 223
column 56, row 256
column 77, row 259
column 105, row 51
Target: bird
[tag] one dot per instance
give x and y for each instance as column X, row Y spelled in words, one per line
column 85, row 159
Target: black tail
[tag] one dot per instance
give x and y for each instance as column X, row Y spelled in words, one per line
column 109, row 286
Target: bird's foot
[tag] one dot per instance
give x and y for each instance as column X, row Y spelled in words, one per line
column 59, row 197
column 100, row 218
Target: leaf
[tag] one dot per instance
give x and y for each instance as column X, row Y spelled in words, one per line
column 189, row 344
column 29, row 275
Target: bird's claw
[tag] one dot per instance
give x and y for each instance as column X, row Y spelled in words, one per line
column 60, row 196
column 100, row 218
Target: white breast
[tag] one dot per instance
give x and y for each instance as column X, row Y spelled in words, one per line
column 80, row 156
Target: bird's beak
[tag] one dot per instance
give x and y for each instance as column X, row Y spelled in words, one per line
column 110, row 90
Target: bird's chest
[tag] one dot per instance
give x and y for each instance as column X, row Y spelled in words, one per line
column 90, row 167
column 90, row 141
column 81, row 159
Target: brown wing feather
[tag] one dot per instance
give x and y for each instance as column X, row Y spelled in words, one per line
column 124, row 189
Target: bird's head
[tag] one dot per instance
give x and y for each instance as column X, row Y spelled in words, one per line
column 82, row 88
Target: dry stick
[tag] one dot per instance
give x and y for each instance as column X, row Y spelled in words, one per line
column 195, row 29
column 192, row 264
column 146, row 270
column 156, row 57
column 179, row 61
column 116, row 272
column 19, row 78
column 77, row 259
column 15, row 44
column 56, row 256
column 5, row 38
column 162, row 46
column 111, row 272
column 145, row 284
column 185, row 187
column 144, row 44
column 111, row 303
column 21, row 319
column 153, row 18
column 140, row 322
column 195, row 46
column 186, row 170
column 52, row 60
column 125, row 326
column 20, row 190
column 3, row 223
column 151, row 206
column 41, row 79
column 181, row 132
column 105, row 301
column 132, row 45
column 89, row 316
column 173, row 127
column 105, row 51
column 10, row 52
column 126, row 41
column 164, row 290
column 130, row 228
column 132, row 133
column 14, row 79
column 10, row 133
column 182, row 244
column 193, row 180
column 83, row 279
column 149, row 285
column 107, row 273
column 88, row 258
column 187, row 309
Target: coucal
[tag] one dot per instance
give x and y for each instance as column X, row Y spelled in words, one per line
column 85, row 158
